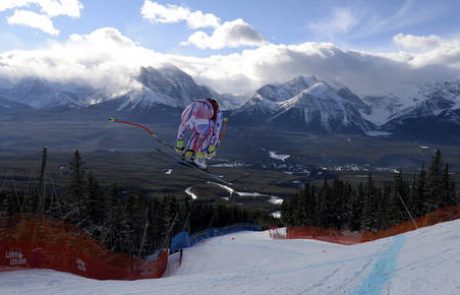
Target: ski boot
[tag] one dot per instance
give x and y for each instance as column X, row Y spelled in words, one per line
column 200, row 160
column 188, row 156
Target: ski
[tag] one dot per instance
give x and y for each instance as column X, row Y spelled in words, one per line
column 146, row 129
column 171, row 147
column 185, row 163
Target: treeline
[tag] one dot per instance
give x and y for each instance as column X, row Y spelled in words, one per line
column 123, row 219
column 340, row 205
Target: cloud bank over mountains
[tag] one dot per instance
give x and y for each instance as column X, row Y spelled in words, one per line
column 107, row 59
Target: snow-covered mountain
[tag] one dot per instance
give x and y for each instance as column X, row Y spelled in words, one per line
column 305, row 103
column 168, row 86
column 7, row 105
column 436, row 115
column 264, row 103
column 429, row 99
column 309, row 104
column 381, row 108
column 39, row 93
column 287, row 90
column 228, row 101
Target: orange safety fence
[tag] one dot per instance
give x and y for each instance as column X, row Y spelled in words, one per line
column 349, row 238
column 40, row 242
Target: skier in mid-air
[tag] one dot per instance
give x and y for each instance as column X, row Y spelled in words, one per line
column 203, row 119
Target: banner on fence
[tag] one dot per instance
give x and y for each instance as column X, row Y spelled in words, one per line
column 39, row 242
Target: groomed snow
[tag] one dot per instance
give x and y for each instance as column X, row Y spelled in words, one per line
column 422, row 262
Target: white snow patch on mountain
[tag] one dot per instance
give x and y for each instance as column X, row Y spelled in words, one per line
column 189, row 192
column 376, row 133
column 281, row 157
column 275, row 200
column 276, row 214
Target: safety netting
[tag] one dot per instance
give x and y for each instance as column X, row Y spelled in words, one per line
column 347, row 237
column 40, row 242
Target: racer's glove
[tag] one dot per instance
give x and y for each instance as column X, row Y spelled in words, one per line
column 180, row 145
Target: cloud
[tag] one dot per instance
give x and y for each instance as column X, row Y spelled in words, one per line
column 417, row 42
column 33, row 20
column 70, row 8
column 111, row 61
column 235, row 33
column 375, row 21
column 51, row 8
column 168, row 13
column 447, row 53
column 105, row 59
column 340, row 21
column 48, row 9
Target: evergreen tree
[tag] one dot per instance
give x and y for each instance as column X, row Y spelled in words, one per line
column 96, row 202
column 370, row 205
column 357, row 206
column 384, row 205
column 421, row 193
column 158, row 223
column 435, row 188
column 448, row 194
column 77, row 174
column 119, row 232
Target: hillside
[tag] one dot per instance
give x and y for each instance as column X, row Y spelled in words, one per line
column 420, row 262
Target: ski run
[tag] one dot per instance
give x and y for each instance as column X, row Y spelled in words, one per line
column 421, row 262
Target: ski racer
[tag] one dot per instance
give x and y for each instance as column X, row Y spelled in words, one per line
column 204, row 121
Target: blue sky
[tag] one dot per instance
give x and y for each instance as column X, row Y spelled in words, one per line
column 233, row 46
column 278, row 21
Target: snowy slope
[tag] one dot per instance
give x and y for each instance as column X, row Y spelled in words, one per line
column 166, row 85
column 305, row 103
column 421, row 262
column 382, row 108
column 266, row 101
column 429, row 101
column 287, row 90
column 40, row 93
column 324, row 107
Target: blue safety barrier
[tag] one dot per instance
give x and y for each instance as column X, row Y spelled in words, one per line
column 181, row 240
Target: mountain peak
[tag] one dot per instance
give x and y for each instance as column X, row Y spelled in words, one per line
column 286, row 90
column 305, row 103
column 167, row 85
column 318, row 89
column 305, row 80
